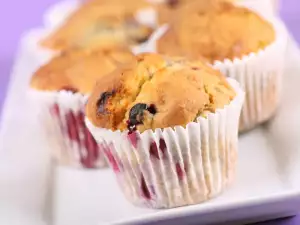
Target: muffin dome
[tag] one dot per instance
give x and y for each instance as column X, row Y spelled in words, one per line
column 78, row 69
column 217, row 30
column 100, row 22
column 167, row 9
column 154, row 91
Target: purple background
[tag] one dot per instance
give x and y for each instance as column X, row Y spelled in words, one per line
column 16, row 16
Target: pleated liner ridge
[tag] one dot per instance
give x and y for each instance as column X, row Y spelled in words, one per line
column 260, row 74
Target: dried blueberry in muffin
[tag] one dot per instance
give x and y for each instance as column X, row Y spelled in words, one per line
column 103, row 100
column 136, row 114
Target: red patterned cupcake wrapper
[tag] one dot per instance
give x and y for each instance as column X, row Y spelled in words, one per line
column 62, row 117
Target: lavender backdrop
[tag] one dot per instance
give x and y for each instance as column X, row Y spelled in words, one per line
column 16, row 16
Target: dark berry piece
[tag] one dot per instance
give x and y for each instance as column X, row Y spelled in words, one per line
column 139, row 58
column 152, row 109
column 140, row 40
column 102, row 101
column 70, row 89
column 136, row 114
column 173, row 3
column 145, row 190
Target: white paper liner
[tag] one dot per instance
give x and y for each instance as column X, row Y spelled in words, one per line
column 33, row 52
column 259, row 74
column 170, row 167
column 57, row 13
column 62, row 117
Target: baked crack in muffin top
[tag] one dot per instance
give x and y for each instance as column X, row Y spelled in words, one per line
column 101, row 22
column 154, row 91
column 217, row 30
column 78, row 69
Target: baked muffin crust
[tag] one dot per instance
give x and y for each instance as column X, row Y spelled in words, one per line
column 217, row 30
column 78, row 69
column 154, row 91
column 167, row 9
column 100, row 22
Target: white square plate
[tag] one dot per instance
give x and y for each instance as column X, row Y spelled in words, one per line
column 33, row 192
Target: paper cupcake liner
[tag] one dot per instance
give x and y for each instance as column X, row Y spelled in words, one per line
column 57, row 13
column 170, row 167
column 34, row 55
column 260, row 74
column 62, row 117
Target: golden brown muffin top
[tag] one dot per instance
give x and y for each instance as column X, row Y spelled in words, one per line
column 167, row 9
column 78, row 70
column 154, row 91
column 100, row 22
column 216, row 30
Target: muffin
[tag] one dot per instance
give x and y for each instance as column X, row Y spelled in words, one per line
column 60, row 89
column 238, row 42
column 100, row 22
column 168, row 128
